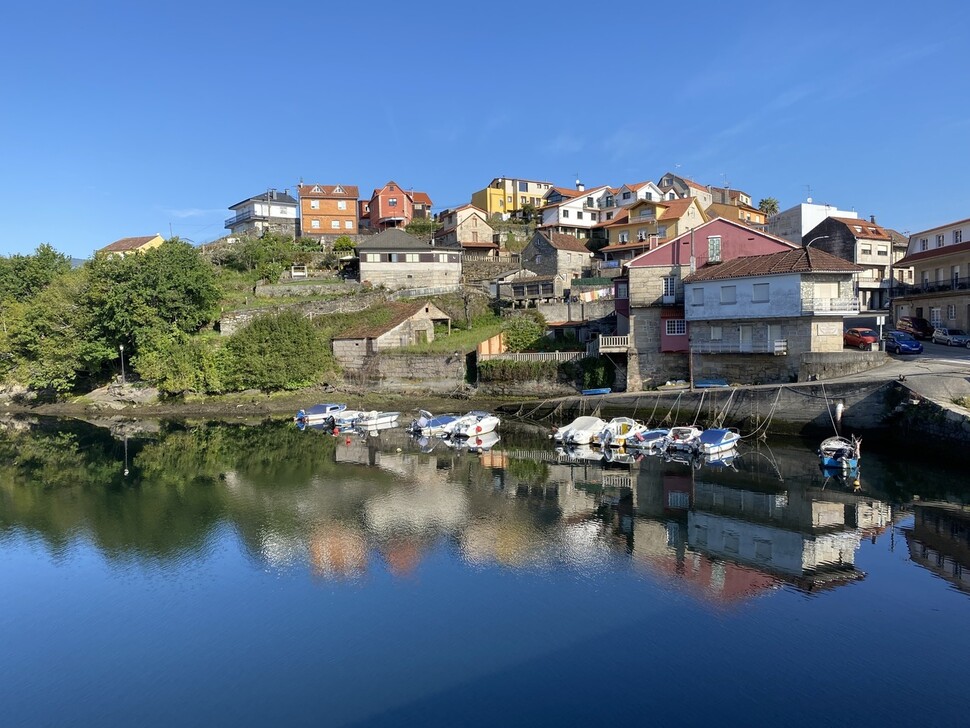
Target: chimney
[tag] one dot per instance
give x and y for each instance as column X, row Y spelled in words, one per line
column 580, row 186
column 872, row 219
column 273, row 192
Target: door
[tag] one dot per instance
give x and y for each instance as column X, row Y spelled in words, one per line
column 746, row 338
column 774, row 337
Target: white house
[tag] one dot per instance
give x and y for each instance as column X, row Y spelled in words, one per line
column 271, row 211
column 577, row 215
column 952, row 233
column 793, row 223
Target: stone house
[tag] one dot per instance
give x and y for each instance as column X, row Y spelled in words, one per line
column 657, row 324
column 673, row 186
column 940, row 288
column 394, row 259
column 752, row 318
column 409, row 324
column 467, row 227
column 556, row 254
column 126, row 246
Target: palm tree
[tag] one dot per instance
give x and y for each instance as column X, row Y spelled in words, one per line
column 769, row 206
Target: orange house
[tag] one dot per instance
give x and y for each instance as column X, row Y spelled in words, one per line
column 328, row 210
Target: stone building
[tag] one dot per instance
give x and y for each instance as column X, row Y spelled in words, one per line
column 394, row 259
column 271, row 211
column 551, row 254
column 409, row 324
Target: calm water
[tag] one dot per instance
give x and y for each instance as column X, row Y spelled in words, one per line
column 257, row 575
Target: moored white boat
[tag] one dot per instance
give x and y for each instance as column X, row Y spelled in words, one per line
column 473, row 424
column 319, row 413
column 718, row 440
column 580, row 431
column 647, row 439
column 682, row 438
column 376, row 420
column 616, row 431
column 430, row 425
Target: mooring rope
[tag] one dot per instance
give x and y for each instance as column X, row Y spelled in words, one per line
column 828, row 409
column 763, row 427
column 700, row 404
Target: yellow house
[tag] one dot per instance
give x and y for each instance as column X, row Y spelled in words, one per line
column 655, row 219
column 506, row 195
column 133, row 245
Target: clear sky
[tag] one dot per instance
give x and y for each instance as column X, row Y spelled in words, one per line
column 127, row 118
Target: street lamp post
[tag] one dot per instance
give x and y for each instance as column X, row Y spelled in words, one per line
column 820, row 237
column 121, row 350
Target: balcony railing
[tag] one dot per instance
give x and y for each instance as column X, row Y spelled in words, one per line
column 779, row 347
column 830, row 305
column 243, row 217
column 914, row 289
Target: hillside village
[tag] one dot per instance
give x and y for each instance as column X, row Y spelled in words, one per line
column 670, row 280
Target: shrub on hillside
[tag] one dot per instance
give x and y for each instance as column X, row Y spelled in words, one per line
column 524, row 331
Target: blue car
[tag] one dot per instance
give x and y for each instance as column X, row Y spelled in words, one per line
column 901, row 342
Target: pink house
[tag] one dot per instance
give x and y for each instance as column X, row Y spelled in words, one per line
column 660, row 335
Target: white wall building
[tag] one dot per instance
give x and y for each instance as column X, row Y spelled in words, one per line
column 953, row 233
column 272, row 211
column 793, row 223
column 576, row 216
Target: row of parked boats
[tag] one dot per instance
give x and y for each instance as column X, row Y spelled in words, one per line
column 335, row 417
column 630, row 434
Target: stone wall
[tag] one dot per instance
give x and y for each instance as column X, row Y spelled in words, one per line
column 283, row 290
column 647, row 366
column 525, row 388
column 745, row 368
column 576, row 310
column 418, row 373
column 827, row 365
column 234, row 320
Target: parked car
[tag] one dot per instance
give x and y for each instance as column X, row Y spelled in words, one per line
column 900, row 342
column 951, row 337
column 860, row 337
column 918, row 327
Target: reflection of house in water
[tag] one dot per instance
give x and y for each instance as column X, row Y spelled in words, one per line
column 731, row 542
column 940, row 541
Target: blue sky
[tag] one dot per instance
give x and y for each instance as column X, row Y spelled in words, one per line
column 121, row 118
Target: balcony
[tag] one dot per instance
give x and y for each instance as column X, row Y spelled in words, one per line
column 833, row 306
column 242, row 217
column 612, row 344
column 952, row 284
column 779, row 347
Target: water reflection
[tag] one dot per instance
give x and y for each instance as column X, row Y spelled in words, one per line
column 723, row 531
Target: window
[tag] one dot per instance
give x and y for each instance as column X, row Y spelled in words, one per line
column 762, row 549
column 609, row 216
column 314, row 224
column 939, row 240
column 565, row 213
column 349, row 224
column 392, row 202
column 923, row 244
column 729, row 294
column 646, row 213
column 523, row 186
column 626, row 195
column 624, row 237
column 955, row 275
column 716, row 333
column 670, row 285
column 951, row 312
column 335, row 224
column 648, row 196
column 442, row 257
column 662, row 231
column 925, row 277
column 867, row 250
column 579, row 215
column 341, row 204
column 957, row 236
column 622, row 290
column 732, row 542
column 759, row 293
column 314, row 204
column 676, row 327
column 509, row 199
column 696, row 296
column 882, row 250
column 714, row 249
column 411, row 258
column 936, row 316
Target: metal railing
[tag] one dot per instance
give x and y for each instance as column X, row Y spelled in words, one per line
column 912, row 289
column 830, row 305
column 535, row 356
column 778, row 347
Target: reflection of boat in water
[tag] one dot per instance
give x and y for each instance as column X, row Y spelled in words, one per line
column 718, row 440
column 429, row 425
column 477, row 443
column 580, row 452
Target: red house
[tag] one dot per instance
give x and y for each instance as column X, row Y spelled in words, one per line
column 391, row 206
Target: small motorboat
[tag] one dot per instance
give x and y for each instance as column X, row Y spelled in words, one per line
column 718, row 440
column 375, row 420
column 840, row 452
column 646, row 439
column 580, row 431
column 682, row 438
column 318, row 413
column 473, row 424
column 599, row 390
column 430, row 425
column 616, row 431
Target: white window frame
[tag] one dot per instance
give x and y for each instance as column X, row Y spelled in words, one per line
column 335, row 224
column 714, row 249
column 676, row 327
column 315, row 224
column 349, row 224
column 717, row 333
column 314, row 204
column 341, row 204
column 951, row 312
column 936, row 316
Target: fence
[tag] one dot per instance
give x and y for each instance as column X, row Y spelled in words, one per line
column 535, row 356
column 419, row 292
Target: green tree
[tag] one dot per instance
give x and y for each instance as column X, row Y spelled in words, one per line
column 24, row 276
column 769, row 206
column 422, row 227
column 56, row 341
column 528, row 212
column 276, row 351
column 344, row 244
column 177, row 363
column 523, row 332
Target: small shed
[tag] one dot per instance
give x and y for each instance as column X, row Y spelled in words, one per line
column 408, row 324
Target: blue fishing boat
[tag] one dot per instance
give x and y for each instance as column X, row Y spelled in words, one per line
column 840, row 452
column 319, row 413
column 601, row 390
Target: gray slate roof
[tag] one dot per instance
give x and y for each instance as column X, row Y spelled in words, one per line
column 395, row 239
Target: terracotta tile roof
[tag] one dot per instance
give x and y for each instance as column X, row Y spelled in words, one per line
column 870, row 230
column 400, row 312
column 329, row 191
column 675, row 208
column 126, row 244
column 932, row 253
column 561, row 241
column 421, row 198
column 567, row 192
column 633, row 245
column 799, row 260
column 620, row 218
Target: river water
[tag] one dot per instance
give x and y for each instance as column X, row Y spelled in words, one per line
column 158, row 575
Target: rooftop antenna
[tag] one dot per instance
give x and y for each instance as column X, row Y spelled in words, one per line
column 808, row 193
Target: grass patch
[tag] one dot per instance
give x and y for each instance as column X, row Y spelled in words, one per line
column 963, row 402
column 458, row 340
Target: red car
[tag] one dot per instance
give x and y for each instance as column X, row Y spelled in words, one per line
column 860, row 338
